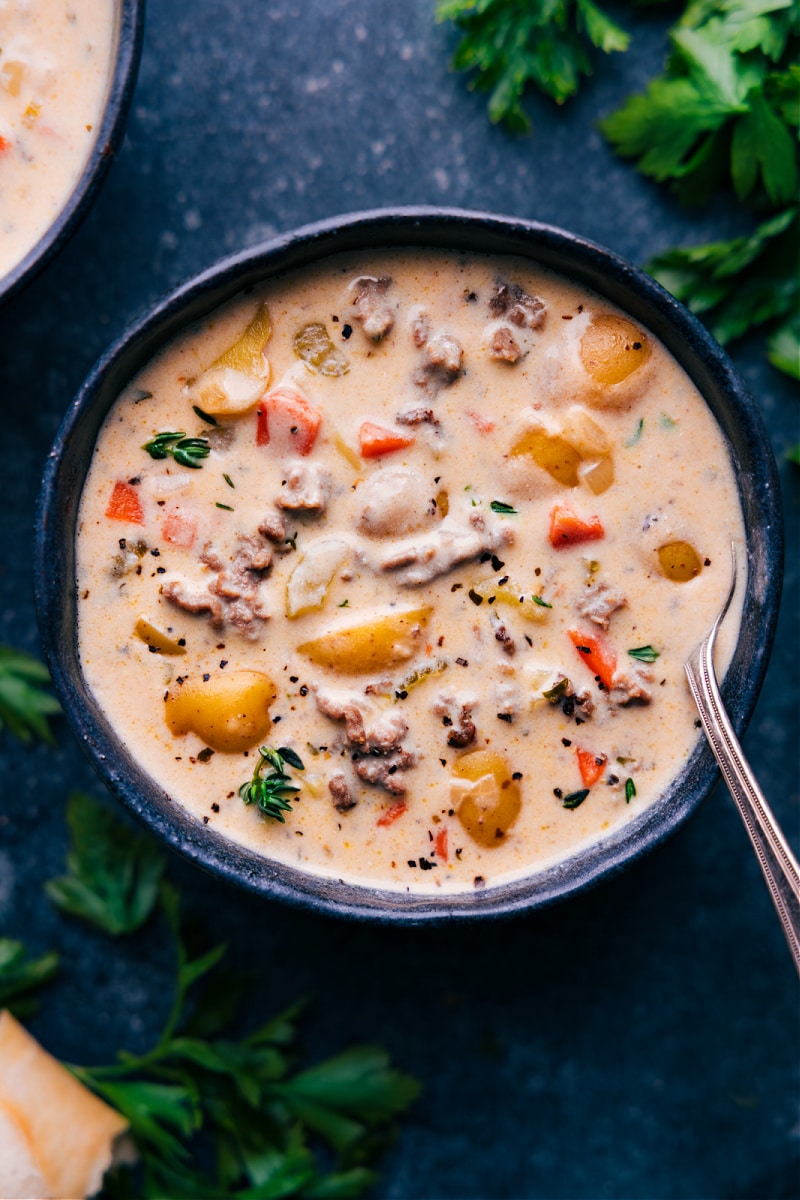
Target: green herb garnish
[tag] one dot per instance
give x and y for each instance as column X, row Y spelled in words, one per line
column 636, row 435
column 500, row 506
column 575, row 799
column 630, row 790
column 645, row 654
column 229, row 481
column 24, row 705
column 214, row 1113
column 114, row 872
column 722, row 117
column 204, row 416
column 20, row 975
column 187, row 451
column 272, row 793
column 542, row 603
column 511, row 44
column 557, row 690
column 219, row 504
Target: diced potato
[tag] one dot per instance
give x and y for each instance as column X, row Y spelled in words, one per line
column 230, row 712
column 161, row 642
column 510, row 593
column 235, row 382
column 226, row 392
column 584, row 433
column 309, row 582
column 247, row 354
column 679, row 561
column 551, row 452
column 362, row 647
column 486, row 799
column 598, row 475
column 442, row 503
column 313, row 346
column 612, row 348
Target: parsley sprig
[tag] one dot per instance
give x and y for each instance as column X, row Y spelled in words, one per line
column 723, row 115
column 272, row 793
column 213, row 1113
column 21, row 975
column 511, row 44
column 188, row 451
column 114, row 872
column 24, row 704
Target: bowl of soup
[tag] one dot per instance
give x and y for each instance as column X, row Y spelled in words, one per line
column 368, row 561
column 67, row 72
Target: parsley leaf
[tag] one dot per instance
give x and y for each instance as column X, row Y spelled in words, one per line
column 200, row 1096
column 724, row 115
column 24, row 705
column 511, row 44
column 113, row 872
column 20, row 975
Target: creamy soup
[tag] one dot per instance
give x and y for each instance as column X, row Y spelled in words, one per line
column 436, row 532
column 55, row 58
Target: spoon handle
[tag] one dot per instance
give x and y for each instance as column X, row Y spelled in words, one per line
column 778, row 864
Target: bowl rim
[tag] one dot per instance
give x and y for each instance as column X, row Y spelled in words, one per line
column 426, row 227
column 128, row 49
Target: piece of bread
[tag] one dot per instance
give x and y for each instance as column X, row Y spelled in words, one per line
column 56, row 1137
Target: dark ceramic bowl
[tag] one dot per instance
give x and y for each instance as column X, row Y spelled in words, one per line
column 122, row 78
column 581, row 261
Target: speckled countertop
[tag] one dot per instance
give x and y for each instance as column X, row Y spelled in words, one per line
column 641, row 1041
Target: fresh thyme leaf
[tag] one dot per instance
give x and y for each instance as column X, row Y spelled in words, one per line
column 204, row 416
column 500, row 506
column 24, row 705
column 542, row 603
column 271, row 793
column 630, row 790
column 227, row 507
column 636, row 436
column 575, row 799
column 188, row 451
column 113, row 871
column 645, row 654
column 229, row 481
column 511, row 44
column 20, row 975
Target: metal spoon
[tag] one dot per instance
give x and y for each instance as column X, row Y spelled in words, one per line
column 778, row 864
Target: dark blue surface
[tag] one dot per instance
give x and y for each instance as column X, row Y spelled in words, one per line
column 641, row 1041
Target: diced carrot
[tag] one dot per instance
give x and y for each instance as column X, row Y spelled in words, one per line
column 375, row 440
column 287, row 419
column 390, row 815
column 590, row 765
column 178, row 529
column 595, row 652
column 481, row 423
column 5, row 144
column 440, row 844
column 568, row 529
column 125, row 504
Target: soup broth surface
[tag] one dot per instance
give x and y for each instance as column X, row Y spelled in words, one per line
column 451, row 529
column 55, row 59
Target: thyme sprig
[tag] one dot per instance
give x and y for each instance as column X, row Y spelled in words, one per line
column 188, row 451
column 272, row 793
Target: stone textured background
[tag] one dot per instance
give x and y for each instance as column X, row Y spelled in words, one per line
column 639, row 1042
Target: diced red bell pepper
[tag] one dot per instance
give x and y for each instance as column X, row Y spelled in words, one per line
column 568, row 529
column 596, row 653
column 125, row 504
column 390, row 815
column 590, row 765
column 179, row 529
column 440, row 844
column 287, row 420
column 375, row 440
